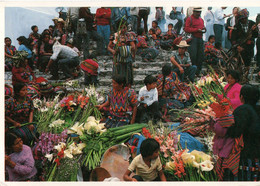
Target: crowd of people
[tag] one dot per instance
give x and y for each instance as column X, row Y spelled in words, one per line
column 122, row 33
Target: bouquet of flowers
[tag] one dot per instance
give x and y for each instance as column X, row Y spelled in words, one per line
column 203, row 88
column 194, row 166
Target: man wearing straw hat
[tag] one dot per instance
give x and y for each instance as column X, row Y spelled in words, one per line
column 195, row 25
column 182, row 62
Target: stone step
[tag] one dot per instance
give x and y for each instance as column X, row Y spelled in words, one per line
column 136, row 71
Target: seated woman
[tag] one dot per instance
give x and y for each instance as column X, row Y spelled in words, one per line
column 19, row 160
column 168, row 38
column 45, row 51
column 153, row 39
column 172, row 93
column 120, row 98
column 22, row 72
column 9, row 53
column 148, row 53
column 232, row 89
column 19, row 110
column 25, row 45
column 212, row 53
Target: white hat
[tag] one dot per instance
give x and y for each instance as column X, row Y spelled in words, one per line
column 197, row 9
column 183, row 44
column 61, row 20
column 55, row 18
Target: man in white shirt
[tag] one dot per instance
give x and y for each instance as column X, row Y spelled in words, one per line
column 64, row 57
column 209, row 20
column 219, row 21
column 148, row 98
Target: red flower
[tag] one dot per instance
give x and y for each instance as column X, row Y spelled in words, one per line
column 221, row 108
column 146, row 133
column 61, row 153
column 57, row 160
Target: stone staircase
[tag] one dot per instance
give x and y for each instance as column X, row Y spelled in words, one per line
column 141, row 69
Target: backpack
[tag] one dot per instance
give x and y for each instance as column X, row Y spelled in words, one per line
column 135, row 143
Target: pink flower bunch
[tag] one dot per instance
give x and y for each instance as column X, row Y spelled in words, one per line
column 168, row 144
column 200, row 116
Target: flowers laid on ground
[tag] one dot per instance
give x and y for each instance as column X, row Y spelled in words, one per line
column 180, row 164
column 64, row 112
column 98, row 141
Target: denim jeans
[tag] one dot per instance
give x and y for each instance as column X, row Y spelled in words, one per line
column 104, row 31
column 96, row 37
column 218, row 30
column 188, row 72
column 196, row 51
column 179, row 23
column 67, row 64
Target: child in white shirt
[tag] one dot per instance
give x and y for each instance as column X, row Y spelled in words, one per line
column 148, row 98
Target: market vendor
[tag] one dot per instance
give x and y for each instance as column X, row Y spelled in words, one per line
column 172, row 93
column 19, row 110
column 232, row 89
column 22, row 72
column 19, row 161
column 120, row 98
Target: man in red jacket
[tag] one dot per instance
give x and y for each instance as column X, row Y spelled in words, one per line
column 103, row 16
column 195, row 25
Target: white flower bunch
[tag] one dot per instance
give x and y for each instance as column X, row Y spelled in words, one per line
column 201, row 82
column 60, row 146
column 76, row 129
column 93, row 125
column 57, row 123
column 74, row 149
column 91, row 91
column 209, row 79
column 71, row 83
column 37, row 103
column 198, row 159
column 44, row 109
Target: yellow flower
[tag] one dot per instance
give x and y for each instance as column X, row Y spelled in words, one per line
column 91, row 118
column 200, row 156
column 78, row 129
column 49, row 156
column 81, row 146
column 187, row 158
column 206, row 165
column 90, row 124
column 170, row 166
column 68, row 153
column 60, row 146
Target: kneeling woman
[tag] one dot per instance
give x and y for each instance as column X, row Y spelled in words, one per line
column 19, row 162
column 19, row 110
column 120, row 98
